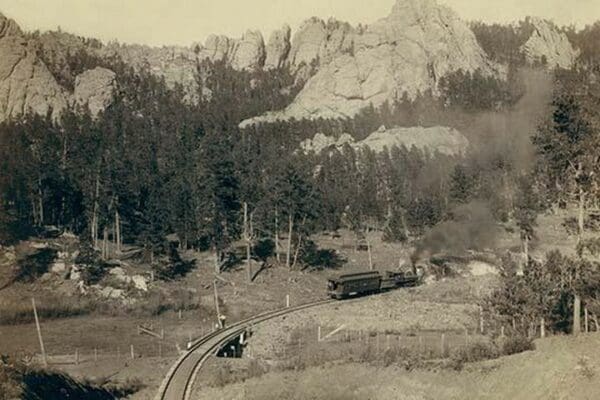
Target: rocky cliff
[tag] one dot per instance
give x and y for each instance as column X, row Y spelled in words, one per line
column 547, row 45
column 26, row 85
column 345, row 68
column 406, row 52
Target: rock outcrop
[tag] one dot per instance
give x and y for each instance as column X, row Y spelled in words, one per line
column 249, row 51
column 407, row 52
column 548, row 46
column 278, row 48
column 26, row 84
column 9, row 27
column 216, row 48
column 439, row 139
column 95, row 88
column 317, row 43
column 176, row 64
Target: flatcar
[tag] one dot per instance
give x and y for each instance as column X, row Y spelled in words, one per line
column 364, row 283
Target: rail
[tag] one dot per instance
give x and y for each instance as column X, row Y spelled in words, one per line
column 179, row 381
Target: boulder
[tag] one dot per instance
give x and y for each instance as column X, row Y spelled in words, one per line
column 117, row 271
column 112, row 293
column 94, row 88
column 140, row 283
column 58, row 267
column 75, row 274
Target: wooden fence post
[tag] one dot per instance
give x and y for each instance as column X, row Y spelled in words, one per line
column 287, row 301
column 481, row 321
column 132, row 353
column 39, row 332
column 443, row 345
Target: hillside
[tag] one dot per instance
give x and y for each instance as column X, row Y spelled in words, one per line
column 559, row 368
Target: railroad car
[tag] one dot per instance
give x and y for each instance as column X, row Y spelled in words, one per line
column 364, row 283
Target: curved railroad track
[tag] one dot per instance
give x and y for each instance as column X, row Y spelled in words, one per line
column 179, row 382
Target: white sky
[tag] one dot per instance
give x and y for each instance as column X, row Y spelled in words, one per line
column 158, row 22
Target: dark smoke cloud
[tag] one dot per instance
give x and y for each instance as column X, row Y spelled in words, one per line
column 472, row 228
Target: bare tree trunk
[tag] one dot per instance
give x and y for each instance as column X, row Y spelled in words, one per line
column 40, row 202
column 105, row 243
column 289, row 241
column 247, row 238
column 299, row 243
column 34, row 212
column 219, row 320
column 217, row 263
column 577, row 299
column 595, row 318
column 297, row 251
column 277, row 250
column 404, row 225
column 542, row 327
column 94, row 228
column 369, row 250
column 586, row 320
column 117, row 230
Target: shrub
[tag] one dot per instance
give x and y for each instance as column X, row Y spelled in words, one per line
column 321, row 258
column 34, row 265
column 10, row 387
column 93, row 268
column 516, row 344
column 175, row 268
column 264, row 248
column 49, row 306
column 478, row 351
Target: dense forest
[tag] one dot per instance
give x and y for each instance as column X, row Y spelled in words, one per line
column 153, row 165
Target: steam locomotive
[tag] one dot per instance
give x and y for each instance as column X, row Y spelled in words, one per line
column 364, row 283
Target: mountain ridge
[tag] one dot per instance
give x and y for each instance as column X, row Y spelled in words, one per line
column 343, row 68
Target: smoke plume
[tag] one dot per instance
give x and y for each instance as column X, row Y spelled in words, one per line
column 472, row 227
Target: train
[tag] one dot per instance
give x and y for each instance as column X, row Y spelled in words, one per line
column 371, row 282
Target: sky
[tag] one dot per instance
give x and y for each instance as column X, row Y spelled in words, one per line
column 158, row 22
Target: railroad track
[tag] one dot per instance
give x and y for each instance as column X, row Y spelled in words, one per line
column 179, row 382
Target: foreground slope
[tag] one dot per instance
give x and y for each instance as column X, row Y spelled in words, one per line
column 560, row 368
